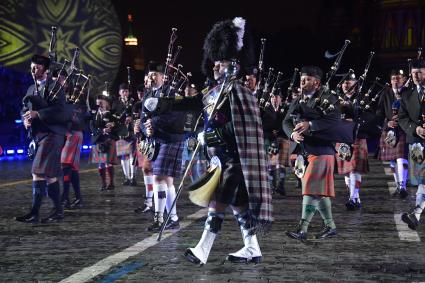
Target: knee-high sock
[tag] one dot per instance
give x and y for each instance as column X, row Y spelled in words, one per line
column 75, row 180
column 308, row 211
column 352, row 185
column 325, row 210
column 358, row 185
column 53, row 190
column 148, row 189
column 419, row 208
column 420, row 194
column 171, row 196
column 125, row 167
column 393, row 166
column 67, row 171
column 271, row 175
column 38, row 192
column 133, row 168
column 347, row 182
column 160, row 195
column 402, row 171
column 102, row 174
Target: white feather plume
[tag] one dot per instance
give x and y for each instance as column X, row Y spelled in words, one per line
column 240, row 23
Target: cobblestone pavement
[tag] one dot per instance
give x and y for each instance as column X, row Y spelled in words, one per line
column 367, row 248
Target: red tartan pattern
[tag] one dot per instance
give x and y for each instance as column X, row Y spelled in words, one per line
column 388, row 153
column 109, row 157
column 359, row 162
column 318, row 179
column 72, row 149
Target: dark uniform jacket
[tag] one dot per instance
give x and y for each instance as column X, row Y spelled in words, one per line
column 324, row 129
column 272, row 121
column 169, row 118
column 410, row 115
column 54, row 116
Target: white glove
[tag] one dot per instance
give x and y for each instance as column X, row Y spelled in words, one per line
column 200, row 138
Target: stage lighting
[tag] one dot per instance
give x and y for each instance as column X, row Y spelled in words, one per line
column 10, row 151
column 19, row 151
column 85, row 147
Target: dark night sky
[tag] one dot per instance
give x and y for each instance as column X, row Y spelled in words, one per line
column 293, row 32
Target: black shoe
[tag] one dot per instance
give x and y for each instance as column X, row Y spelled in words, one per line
column 327, row 232
column 77, row 203
column 27, row 218
column 133, row 182
column 410, row 220
column 171, row 225
column 103, row 188
column 191, row 257
column 357, row 204
column 110, row 187
column 126, row 182
column 297, row 234
column 144, row 209
column 350, row 205
column 55, row 216
column 403, row 193
column 237, row 259
column 155, row 226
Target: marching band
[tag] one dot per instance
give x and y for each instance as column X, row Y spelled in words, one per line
column 236, row 136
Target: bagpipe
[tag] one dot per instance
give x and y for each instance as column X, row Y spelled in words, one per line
column 171, row 96
column 391, row 138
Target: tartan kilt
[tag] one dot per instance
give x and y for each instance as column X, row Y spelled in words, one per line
column 359, row 162
column 416, row 171
column 318, row 179
column 388, row 153
column 169, row 160
column 124, row 147
column 47, row 160
column 110, row 157
column 72, row 149
column 282, row 157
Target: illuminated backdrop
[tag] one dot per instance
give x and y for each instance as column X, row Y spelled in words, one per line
column 91, row 25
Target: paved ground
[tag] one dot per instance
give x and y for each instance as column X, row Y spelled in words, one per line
column 368, row 247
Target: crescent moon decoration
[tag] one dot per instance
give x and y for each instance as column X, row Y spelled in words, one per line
column 91, row 25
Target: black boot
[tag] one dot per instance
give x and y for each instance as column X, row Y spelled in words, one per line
column 110, row 171
column 57, row 212
column 38, row 191
column 102, row 174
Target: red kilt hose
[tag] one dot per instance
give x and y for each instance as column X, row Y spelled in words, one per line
column 72, row 149
column 388, row 153
column 359, row 162
column 318, row 179
column 124, row 147
column 110, row 157
column 47, row 160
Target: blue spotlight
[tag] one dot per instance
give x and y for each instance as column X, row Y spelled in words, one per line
column 85, row 147
column 19, row 151
column 10, row 151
